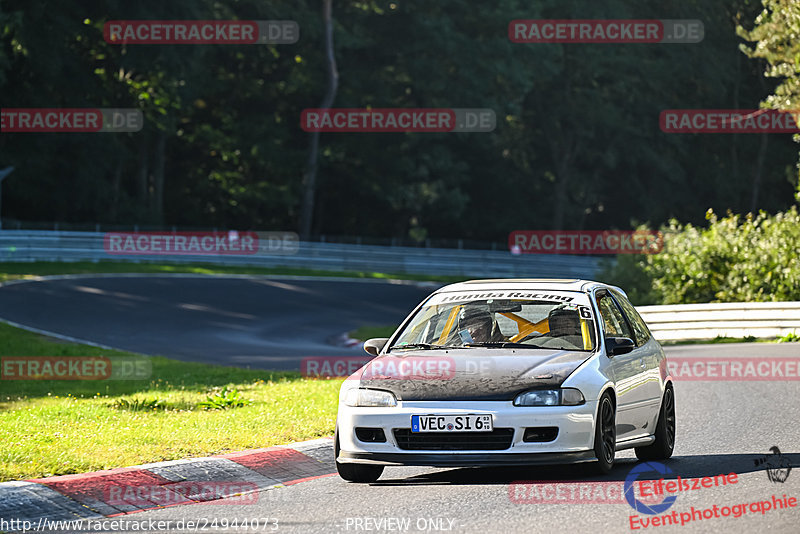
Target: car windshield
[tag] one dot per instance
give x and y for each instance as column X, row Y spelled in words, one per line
column 501, row 319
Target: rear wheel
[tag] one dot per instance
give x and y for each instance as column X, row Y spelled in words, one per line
column 605, row 434
column 662, row 447
column 355, row 472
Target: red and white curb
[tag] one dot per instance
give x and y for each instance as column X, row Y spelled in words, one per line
column 127, row 490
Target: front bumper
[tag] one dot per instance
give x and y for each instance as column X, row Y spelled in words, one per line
column 462, row 459
column 574, row 442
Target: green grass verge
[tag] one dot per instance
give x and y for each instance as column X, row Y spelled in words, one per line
column 19, row 270
column 62, row 427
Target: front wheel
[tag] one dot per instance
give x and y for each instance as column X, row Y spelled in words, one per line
column 605, row 434
column 662, row 447
column 355, row 472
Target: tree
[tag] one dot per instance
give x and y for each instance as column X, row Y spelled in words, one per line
column 775, row 34
column 332, row 78
column 577, row 142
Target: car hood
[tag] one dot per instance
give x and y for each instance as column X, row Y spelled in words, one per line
column 469, row 374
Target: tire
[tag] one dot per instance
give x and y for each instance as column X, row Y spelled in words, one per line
column 605, row 434
column 355, row 472
column 662, row 447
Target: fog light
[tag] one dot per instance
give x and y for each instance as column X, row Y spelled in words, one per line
column 540, row 434
column 370, row 435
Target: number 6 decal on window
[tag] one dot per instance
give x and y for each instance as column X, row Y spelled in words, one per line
column 585, row 312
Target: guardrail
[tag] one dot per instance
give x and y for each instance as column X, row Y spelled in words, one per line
column 682, row 322
column 668, row 323
column 37, row 245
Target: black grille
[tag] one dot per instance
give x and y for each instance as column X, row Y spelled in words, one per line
column 496, row 440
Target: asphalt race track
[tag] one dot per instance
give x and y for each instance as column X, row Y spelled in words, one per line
column 266, row 323
column 723, row 426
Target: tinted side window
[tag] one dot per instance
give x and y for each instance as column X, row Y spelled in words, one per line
column 614, row 324
column 640, row 329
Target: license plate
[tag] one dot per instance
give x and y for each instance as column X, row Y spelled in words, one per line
column 451, row 423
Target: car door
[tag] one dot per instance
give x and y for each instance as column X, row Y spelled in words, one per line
column 650, row 350
column 628, row 371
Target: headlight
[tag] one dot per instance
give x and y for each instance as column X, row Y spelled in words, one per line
column 550, row 397
column 369, row 397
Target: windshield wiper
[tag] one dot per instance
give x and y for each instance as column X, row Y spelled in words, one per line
column 504, row 345
column 422, row 346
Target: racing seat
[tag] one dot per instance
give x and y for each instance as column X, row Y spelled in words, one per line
column 565, row 325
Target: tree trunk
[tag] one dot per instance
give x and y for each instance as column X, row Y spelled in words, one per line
column 564, row 152
column 116, row 181
column 142, row 186
column 758, row 172
column 157, row 208
column 735, row 138
column 759, row 167
column 310, row 175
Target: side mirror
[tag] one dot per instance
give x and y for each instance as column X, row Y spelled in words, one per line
column 375, row 345
column 618, row 345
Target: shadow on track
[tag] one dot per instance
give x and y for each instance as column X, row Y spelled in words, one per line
column 684, row 466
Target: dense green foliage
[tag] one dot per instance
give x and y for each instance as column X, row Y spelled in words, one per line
column 775, row 37
column 733, row 259
column 577, row 144
column 775, row 34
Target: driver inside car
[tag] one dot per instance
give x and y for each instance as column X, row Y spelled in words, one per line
column 478, row 326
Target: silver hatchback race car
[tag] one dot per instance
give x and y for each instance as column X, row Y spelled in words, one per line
column 509, row 372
